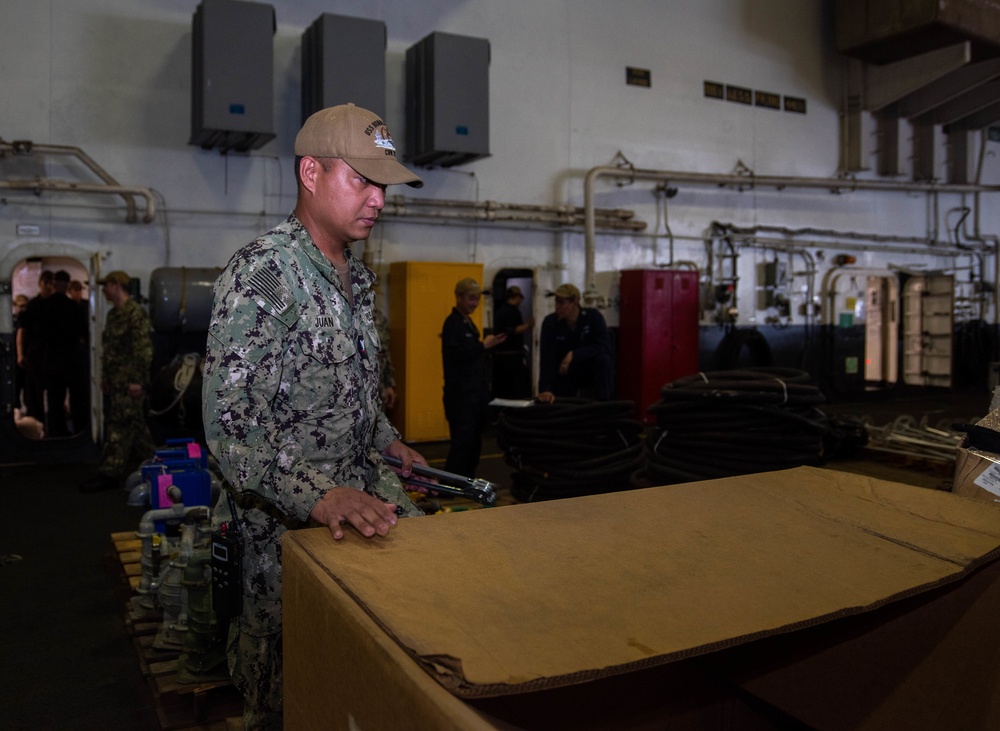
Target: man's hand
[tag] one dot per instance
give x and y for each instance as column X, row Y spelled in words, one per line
column 491, row 341
column 564, row 365
column 545, row 397
column 389, row 397
column 369, row 516
column 405, row 455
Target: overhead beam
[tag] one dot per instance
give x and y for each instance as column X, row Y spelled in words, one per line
column 983, row 118
column 893, row 82
column 973, row 101
column 949, row 88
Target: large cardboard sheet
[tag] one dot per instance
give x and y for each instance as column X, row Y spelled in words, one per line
column 523, row 597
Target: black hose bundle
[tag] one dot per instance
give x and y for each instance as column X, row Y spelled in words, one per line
column 736, row 422
column 570, row 448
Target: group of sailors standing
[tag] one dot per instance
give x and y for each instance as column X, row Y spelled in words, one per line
column 52, row 375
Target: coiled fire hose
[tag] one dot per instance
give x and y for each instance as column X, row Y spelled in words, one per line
column 725, row 423
column 571, row 447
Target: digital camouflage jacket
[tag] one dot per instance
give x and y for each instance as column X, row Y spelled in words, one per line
column 126, row 346
column 291, row 398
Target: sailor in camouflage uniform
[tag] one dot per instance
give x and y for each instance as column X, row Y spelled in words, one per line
column 291, row 386
column 126, row 358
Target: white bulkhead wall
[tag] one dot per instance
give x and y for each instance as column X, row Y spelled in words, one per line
column 114, row 78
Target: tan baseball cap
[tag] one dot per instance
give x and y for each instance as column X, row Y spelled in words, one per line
column 568, row 291
column 467, row 285
column 117, row 276
column 358, row 137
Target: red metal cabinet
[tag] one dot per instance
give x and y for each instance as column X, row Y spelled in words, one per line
column 657, row 334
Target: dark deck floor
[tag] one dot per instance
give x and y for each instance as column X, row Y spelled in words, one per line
column 69, row 662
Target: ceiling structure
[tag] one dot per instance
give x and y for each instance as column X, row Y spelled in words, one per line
column 932, row 63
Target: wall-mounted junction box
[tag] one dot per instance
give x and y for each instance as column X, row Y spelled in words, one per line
column 232, row 75
column 343, row 60
column 447, row 100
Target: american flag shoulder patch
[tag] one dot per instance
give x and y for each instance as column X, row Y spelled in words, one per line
column 267, row 286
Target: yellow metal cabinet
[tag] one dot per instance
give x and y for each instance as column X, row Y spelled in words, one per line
column 421, row 296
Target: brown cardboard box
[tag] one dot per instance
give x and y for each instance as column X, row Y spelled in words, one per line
column 719, row 604
column 977, row 474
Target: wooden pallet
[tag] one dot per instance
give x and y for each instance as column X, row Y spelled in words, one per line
column 128, row 547
column 932, row 465
column 179, row 705
column 229, row 724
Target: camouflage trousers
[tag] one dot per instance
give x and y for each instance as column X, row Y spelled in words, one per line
column 255, row 638
column 127, row 440
column 255, row 668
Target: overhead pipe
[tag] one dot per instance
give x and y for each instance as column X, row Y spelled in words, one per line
column 751, row 240
column 620, row 213
column 487, row 216
column 61, row 186
column 868, row 242
column 744, row 181
column 404, row 211
column 616, row 219
column 826, row 233
column 110, row 186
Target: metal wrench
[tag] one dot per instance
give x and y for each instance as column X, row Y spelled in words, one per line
column 474, row 488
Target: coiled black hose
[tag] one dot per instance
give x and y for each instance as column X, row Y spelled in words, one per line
column 570, row 448
column 736, row 422
column 711, row 425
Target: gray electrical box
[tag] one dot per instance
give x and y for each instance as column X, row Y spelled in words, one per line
column 232, row 75
column 447, row 100
column 343, row 60
column 772, row 280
